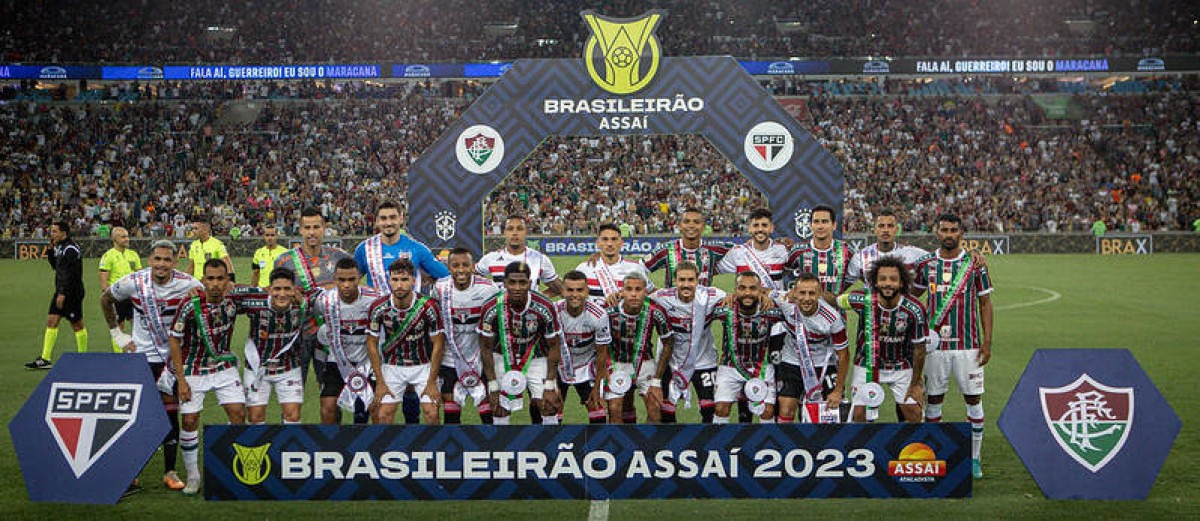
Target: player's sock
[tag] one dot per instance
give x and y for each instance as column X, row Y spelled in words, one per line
column 411, row 408
column 288, row 422
column 933, row 413
column 452, row 413
column 501, row 420
column 550, row 420
column 535, row 416
column 720, row 420
column 189, row 441
column 257, row 423
column 81, row 341
column 629, row 417
column 48, row 341
column 170, row 444
column 361, row 415
column 706, row 410
column 786, row 419
column 899, row 414
column 116, row 348
column 744, row 415
column 975, row 416
column 485, row 412
column 597, row 416
column 667, row 410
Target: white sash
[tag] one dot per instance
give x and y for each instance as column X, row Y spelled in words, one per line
column 533, row 259
column 812, row 382
column 462, row 366
column 688, row 367
column 144, row 282
column 373, row 249
column 607, row 283
column 758, row 267
column 333, row 317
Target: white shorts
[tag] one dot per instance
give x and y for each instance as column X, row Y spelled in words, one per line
column 289, row 388
column 642, row 383
column 962, row 365
column 399, row 377
column 897, row 381
column 730, row 383
column 226, row 383
column 535, row 374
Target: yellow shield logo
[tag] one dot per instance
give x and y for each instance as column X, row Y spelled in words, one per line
column 622, row 54
column 250, row 464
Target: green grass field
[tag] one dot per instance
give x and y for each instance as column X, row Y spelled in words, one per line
column 1139, row 303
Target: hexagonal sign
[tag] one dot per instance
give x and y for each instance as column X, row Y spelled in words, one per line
column 88, row 429
column 1089, row 424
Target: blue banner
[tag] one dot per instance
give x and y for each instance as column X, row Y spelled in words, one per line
column 432, row 70
column 785, row 67
column 88, row 429
column 134, row 72
column 48, row 72
column 486, row 70
column 289, row 462
column 271, row 72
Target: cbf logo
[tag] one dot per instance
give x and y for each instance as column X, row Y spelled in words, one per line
column 622, row 54
column 1088, row 419
column 250, row 464
column 479, row 149
column 88, row 419
column 444, row 225
column 768, row 146
column 802, row 220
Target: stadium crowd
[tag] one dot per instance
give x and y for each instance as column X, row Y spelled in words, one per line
column 287, row 31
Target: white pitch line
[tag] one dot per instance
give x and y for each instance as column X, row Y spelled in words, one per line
column 598, row 510
column 1054, row 295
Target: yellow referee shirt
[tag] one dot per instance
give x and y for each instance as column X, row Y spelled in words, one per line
column 120, row 263
column 201, row 252
column 264, row 262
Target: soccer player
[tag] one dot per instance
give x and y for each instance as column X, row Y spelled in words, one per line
column 156, row 293
column 266, row 256
column 891, row 338
column 374, row 254
column 886, row 228
column 814, row 357
column 345, row 310
column 752, row 334
column 313, row 263
column 519, row 335
column 116, row 263
column 405, row 342
column 586, row 337
column 687, row 248
column 67, row 260
column 200, row 355
column 824, row 256
column 690, row 358
column 960, row 306
column 515, row 250
column 635, row 320
column 606, row 274
column 760, row 254
column 461, row 302
column 204, row 248
column 278, row 316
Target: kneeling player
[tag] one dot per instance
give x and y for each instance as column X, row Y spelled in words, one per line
column 751, row 335
column 200, row 352
column 411, row 329
column 634, row 321
column 277, row 316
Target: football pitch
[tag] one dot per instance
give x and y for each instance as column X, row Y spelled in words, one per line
column 1141, row 303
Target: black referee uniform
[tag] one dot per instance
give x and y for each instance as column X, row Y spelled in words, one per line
column 67, row 260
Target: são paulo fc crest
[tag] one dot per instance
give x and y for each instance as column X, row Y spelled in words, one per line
column 479, row 149
column 769, row 146
column 622, row 54
column 88, row 418
column 444, row 224
column 802, row 219
column 1089, row 420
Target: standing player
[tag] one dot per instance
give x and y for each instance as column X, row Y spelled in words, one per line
column 411, row 347
column 266, row 256
column 67, row 260
column 460, row 301
column 891, row 339
column 518, row 334
column 586, row 338
column 606, row 274
column 377, row 252
column 814, row 360
column 760, row 255
column 116, row 263
column 278, row 317
column 690, row 358
column 960, row 304
column 752, row 334
column 206, row 247
column 156, row 293
column 886, row 229
column 635, row 320
column 200, row 354
column 515, row 250
column 313, row 263
column 346, row 313
column 687, row 248
column 824, row 256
